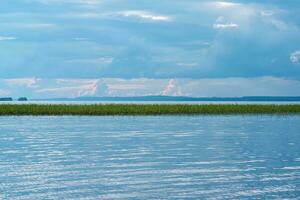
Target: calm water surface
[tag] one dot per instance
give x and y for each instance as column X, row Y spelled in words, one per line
column 186, row 157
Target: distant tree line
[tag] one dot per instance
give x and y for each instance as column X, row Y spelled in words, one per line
column 11, row 99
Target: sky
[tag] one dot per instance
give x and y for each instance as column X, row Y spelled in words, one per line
column 72, row 48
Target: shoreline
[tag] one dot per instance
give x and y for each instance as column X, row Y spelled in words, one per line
column 145, row 109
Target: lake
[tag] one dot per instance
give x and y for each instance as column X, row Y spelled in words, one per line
column 166, row 157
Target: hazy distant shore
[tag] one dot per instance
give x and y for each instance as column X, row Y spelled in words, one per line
column 143, row 109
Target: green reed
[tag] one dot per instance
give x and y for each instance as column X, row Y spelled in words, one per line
column 145, row 109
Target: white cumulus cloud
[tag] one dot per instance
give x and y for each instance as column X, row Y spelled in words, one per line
column 172, row 89
column 295, row 57
column 76, row 88
column 96, row 88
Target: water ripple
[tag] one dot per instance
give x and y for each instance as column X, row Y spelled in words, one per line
column 196, row 157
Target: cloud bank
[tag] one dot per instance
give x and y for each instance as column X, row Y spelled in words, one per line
column 149, row 39
column 227, row 87
column 125, row 47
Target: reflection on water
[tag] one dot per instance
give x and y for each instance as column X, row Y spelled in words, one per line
column 186, row 157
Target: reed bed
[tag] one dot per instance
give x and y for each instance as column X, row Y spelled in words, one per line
column 153, row 109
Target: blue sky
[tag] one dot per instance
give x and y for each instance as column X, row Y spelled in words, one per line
column 69, row 45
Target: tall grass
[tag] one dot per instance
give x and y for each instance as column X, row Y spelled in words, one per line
column 129, row 109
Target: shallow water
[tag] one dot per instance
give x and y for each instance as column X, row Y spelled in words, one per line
column 170, row 157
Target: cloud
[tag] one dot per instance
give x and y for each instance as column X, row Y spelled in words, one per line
column 75, row 88
column 4, row 93
column 222, row 24
column 295, row 57
column 97, row 88
column 224, row 5
column 144, row 15
column 172, row 89
column 235, row 13
column 223, row 87
column 20, row 82
column 233, row 87
column 134, row 87
column 266, row 13
column 179, row 39
column 225, row 26
column 4, row 38
column 125, row 86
